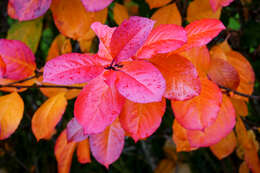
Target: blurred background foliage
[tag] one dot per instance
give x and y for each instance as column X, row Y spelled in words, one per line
column 22, row 153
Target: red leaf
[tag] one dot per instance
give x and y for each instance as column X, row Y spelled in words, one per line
column 2, row 68
column 72, row 68
column 163, row 39
column 83, row 152
column 94, row 5
column 97, row 106
column 141, row 120
column 75, row 131
column 104, row 34
column 140, row 82
column 223, row 73
column 63, row 152
column 129, row 37
column 201, row 32
column 107, row 146
column 27, row 10
column 215, row 4
column 201, row 111
column 218, row 130
column 18, row 58
column 182, row 80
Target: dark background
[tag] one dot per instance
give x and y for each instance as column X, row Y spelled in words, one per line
column 22, row 153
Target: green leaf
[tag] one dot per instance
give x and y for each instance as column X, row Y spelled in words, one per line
column 28, row 32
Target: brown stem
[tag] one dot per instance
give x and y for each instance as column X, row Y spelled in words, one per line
column 23, row 80
column 41, row 86
column 239, row 93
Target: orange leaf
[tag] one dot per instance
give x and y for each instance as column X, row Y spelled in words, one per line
column 83, row 152
column 107, row 146
column 76, row 26
column 218, row 130
column 141, row 120
column 199, row 56
column 243, row 168
column 180, row 138
column 63, row 152
column 240, row 106
column 59, row 46
column 182, row 80
column 156, row 3
column 224, row 147
column 201, row 111
column 250, row 151
column 245, row 71
column 11, row 113
column 48, row 115
column 120, row 13
column 167, row 15
column 223, row 73
column 201, row 9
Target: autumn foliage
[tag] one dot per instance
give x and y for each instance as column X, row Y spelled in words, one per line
column 122, row 89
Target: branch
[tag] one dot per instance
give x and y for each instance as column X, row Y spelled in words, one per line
column 41, row 86
column 239, row 93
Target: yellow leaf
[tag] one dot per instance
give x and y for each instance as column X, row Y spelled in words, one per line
column 28, row 32
column 11, row 113
column 201, row 9
column 72, row 19
column 85, row 45
column 120, row 13
column 157, row 3
column 224, row 147
column 59, row 46
column 250, row 150
column 167, row 15
column 48, row 115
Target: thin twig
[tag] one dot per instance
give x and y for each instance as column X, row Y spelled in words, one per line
column 239, row 93
column 41, row 86
column 23, row 80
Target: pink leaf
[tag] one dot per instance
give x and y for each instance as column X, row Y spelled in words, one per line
column 219, row 129
column 107, row 146
column 72, row 68
column 140, row 82
column 97, row 106
column 27, row 10
column 201, row 111
column 104, row 34
column 129, row 37
column 215, row 4
column 18, row 59
column 75, row 131
column 95, row 5
column 163, row 39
